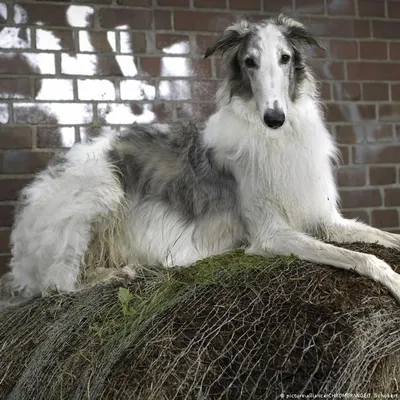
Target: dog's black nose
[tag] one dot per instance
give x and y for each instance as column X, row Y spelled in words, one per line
column 274, row 118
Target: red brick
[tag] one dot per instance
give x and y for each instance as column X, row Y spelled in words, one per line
column 386, row 29
column 382, row 175
column 278, row 6
column 341, row 7
column 393, row 9
column 4, row 264
column 24, row 162
column 356, row 214
column 371, row 133
column 330, row 70
column 204, row 90
column 373, row 71
column 136, row 19
column 347, row 91
column 166, row 40
column 6, row 215
column 98, row 40
column 135, row 3
column 347, row 135
column 173, row 3
column 384, row 218
column 326, row 92
column 395, row 91
column 350, row 112
column 15, row 137
column 310, row 6
column 245, row 5
column 371, row 8
column 210, row 3
column 392, row 197
column 10, row 188
column 162, row 19
column 339, row 27
column 373, row 91
column 49, row 14
column 376, row 154
column 198, row 111
column 343, row 49
column 202, row 21
column 203, row 42
column 389, row 112
column 377, row 133
column 394, row 48
column 93, row 1
column 15, row 88
column 352, row 176
column 344, row 153
column 138, row 42
column 359, row 198
column 5, row 241
column 373, row 50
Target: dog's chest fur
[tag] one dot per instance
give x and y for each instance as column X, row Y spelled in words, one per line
column 288, row 171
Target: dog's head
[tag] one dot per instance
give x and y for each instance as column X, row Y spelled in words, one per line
column 266, row 61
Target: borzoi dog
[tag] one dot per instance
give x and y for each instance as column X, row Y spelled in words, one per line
column 259, row 175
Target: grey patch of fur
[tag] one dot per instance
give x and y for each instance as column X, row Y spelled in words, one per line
column 298, row 37
column 233, row 45
column 173, row 166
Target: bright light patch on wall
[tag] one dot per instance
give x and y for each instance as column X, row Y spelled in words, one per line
column 126, row 63
column 177, row 48
column 84, row 42
column 3, row 10
column 111, row 37
column 67, row 136
column 82, row 64
column 96, row 89
column 20, row 15
column 121, row 114
column 136, row 90
column 4, row 114
column 125, row 44
column 9, row 39
column 45, row 40
column 65, row 113
column 175, row 66
column 78, row 16
column 56, row 89
column 175, row 90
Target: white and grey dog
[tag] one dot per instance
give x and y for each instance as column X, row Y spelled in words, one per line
column 260, row 174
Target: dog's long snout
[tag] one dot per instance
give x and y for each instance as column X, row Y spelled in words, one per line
column 274, row 118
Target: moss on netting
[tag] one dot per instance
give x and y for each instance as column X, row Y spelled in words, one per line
column 233, row 326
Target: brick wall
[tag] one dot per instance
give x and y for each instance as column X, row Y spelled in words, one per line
column 66, row 68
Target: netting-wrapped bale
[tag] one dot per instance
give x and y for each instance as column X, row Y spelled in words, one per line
column 230, row 327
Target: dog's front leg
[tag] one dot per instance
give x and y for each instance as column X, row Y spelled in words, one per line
column 284, row 241
column 349, row 231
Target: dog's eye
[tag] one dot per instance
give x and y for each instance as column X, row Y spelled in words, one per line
column 285, row 58
column 249, row 62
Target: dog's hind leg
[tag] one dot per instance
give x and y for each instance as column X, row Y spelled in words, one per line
column 52, row 227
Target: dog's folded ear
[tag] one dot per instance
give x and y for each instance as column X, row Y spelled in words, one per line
column 298, row 34
column 230, row 40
